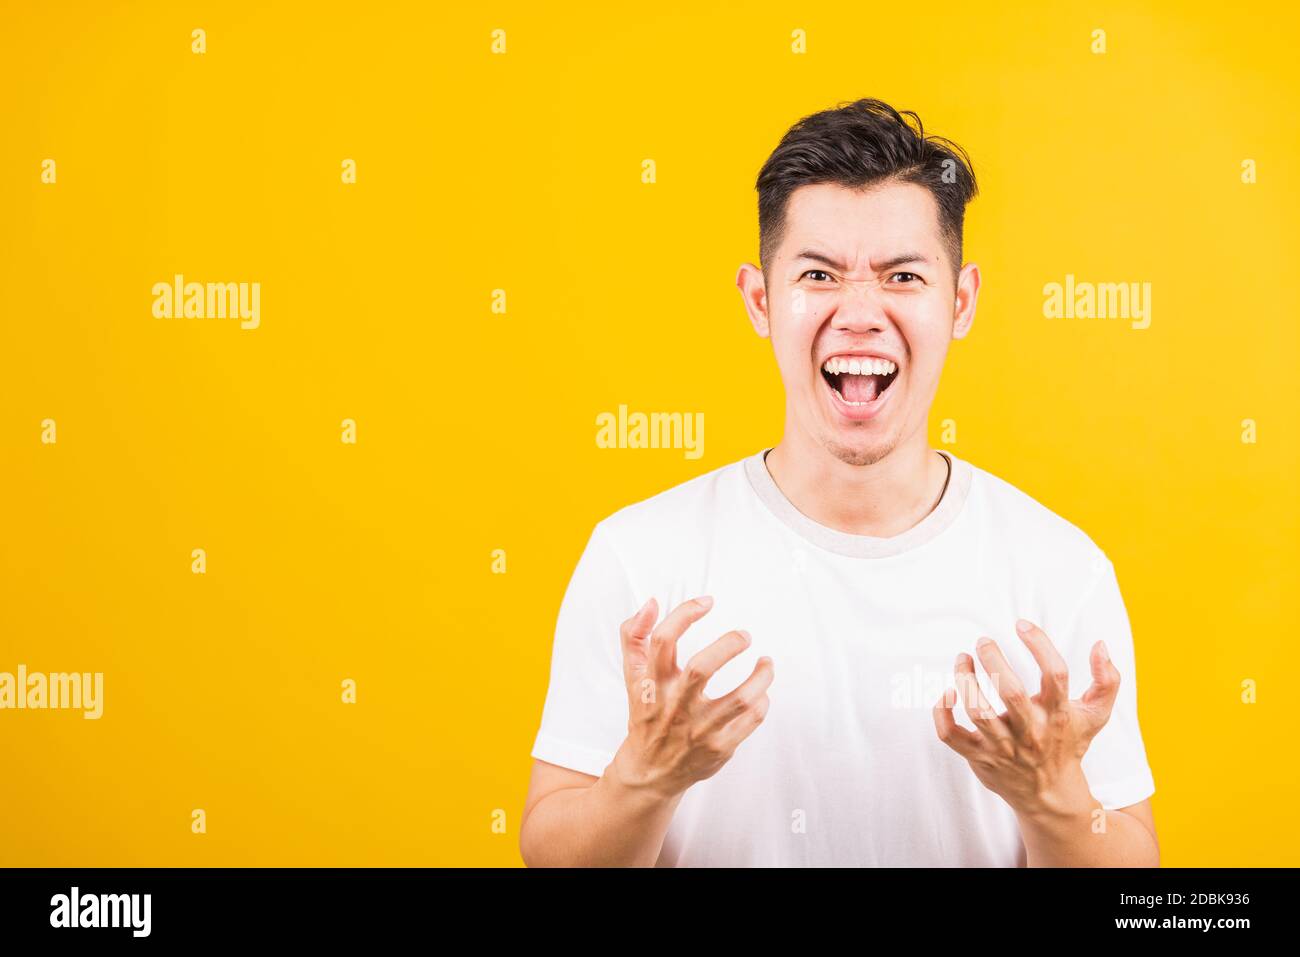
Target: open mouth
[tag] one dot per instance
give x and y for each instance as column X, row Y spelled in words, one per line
column 859, row 382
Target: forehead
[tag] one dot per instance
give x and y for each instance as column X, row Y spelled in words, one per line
column 862, row 222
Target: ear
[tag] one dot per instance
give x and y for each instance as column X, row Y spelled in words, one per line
column 968, row 287
column 753, row 290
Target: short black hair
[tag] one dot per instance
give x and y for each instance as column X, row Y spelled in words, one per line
column 860, row 144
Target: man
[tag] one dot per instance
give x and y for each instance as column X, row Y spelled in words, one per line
column 846, row 575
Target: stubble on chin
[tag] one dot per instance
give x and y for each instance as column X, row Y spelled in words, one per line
column 865, row 454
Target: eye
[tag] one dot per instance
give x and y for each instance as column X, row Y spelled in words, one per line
column 910, row 274
column 818, row 272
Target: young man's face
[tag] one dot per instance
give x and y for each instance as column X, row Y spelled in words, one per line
column 860, row 274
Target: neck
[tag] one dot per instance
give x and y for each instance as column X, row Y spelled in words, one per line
column 882, row 499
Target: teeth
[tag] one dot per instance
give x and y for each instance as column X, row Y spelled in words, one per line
column 859, row 366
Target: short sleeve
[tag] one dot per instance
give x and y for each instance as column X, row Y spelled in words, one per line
column 1115, row 763
column 584, row 719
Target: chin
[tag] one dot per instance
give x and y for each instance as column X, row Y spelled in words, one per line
column 866, row 451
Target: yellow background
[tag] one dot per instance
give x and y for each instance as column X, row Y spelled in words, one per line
column 476, row 430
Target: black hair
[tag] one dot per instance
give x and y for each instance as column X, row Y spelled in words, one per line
column 861, row 144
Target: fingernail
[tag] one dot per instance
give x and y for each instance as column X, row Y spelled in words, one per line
column 1023, row 626
column 646, row 605
column 744, row 634
column 1105, row 654
column 982, row 642
column 705, row 600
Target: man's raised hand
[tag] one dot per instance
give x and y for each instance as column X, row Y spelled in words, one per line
column 1031, row 754
column 676, row 735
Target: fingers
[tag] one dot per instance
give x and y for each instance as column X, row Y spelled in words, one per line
column 1007, row 683
column 746, row 706
column 705, row 662
column 1100, row 697
column 981, row 713
column 663, row 642
column 966, row 743
column 1055, row 691
column 743, row 697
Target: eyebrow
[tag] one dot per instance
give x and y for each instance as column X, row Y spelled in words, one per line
column 890, row 263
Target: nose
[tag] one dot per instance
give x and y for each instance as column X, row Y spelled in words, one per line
column 859, row 306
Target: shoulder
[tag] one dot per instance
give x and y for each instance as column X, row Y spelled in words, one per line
column 1019, row 522
column 687, row 509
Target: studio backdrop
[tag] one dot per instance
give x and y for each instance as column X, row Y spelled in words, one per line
column 326, row 330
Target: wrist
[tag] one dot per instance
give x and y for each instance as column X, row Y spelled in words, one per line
column 1068, row 799
column 626, row 777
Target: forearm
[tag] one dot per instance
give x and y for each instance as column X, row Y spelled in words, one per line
column 1087, row 836
column 606, row 824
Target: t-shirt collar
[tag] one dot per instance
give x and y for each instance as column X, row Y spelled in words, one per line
column 862, row 546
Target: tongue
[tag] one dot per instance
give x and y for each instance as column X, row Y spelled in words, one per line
column 858, row 388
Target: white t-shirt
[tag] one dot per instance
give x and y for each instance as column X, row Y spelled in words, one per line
column 847, row 768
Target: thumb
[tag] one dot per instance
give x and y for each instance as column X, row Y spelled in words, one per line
column 1101, row 694
column 634, row 637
